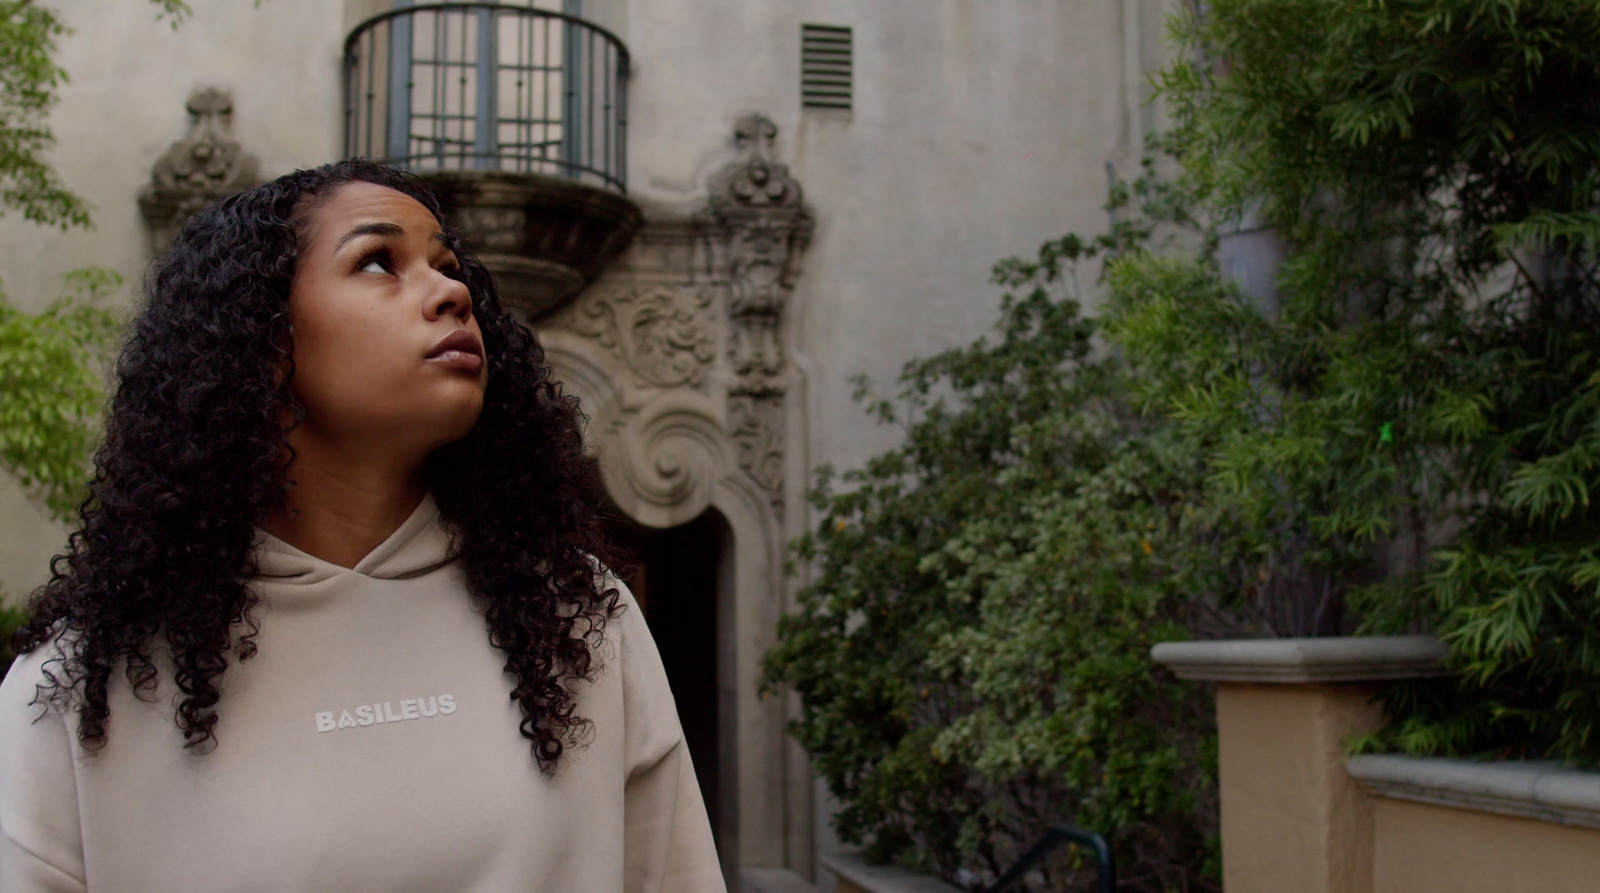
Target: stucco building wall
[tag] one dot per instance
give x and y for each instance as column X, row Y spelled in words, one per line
column 979, row 130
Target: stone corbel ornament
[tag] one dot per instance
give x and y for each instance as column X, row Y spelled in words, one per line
column 198, row 169
column 756, row 219
column 755, row 214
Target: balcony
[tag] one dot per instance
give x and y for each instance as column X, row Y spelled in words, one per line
column 518, row 116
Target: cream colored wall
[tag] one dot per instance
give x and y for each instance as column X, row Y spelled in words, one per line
column 1434, row 849
column 979, row 130
column 130, row 77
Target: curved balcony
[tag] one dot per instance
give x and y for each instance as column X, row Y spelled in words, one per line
column 519, row 117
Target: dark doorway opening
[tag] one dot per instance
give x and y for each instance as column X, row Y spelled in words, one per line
column 679, row 578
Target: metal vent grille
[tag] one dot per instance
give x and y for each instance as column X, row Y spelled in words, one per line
column 825, row 59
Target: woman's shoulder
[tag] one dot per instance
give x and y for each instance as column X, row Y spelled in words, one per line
column 25, row 692
column 607, row 580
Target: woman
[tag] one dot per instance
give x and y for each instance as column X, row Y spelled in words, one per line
column 332, row 460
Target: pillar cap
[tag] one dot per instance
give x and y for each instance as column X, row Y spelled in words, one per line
column 1304, row 661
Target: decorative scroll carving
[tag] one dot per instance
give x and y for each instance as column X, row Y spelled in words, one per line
column 673, row 464
column 692, row 285
column 756, row 425
column 663, row 334
column 198, row 169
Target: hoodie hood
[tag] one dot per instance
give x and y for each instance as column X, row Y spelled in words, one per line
column 418, row 546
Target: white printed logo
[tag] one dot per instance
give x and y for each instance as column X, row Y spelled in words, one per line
column 378, row 714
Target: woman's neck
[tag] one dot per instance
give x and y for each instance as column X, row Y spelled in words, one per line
column 341, row 512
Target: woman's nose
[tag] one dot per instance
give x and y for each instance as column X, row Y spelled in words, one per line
column 449, row 295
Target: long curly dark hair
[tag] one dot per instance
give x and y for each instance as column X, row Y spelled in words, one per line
column 192, row 462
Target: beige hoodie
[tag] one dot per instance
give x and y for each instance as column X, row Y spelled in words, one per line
column 370, row 744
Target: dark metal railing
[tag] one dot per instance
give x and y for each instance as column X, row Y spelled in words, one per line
column 487, row 86
column 1105, row 865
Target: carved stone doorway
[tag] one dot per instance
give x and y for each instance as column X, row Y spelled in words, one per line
column 683, row 580
column 680, row 355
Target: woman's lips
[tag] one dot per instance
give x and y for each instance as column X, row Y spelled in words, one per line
column 461, row 349
column 458, row 359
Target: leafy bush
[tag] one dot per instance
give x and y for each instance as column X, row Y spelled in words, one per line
column 973, row 653
column 50, row 399
column 52, row 389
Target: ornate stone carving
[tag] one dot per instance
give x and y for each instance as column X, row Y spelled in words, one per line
column 198, row 169
column 756, row 422
column 755, row 180
column 756, row 218
column 718, row 278
column 662, row 333
column 755, row 212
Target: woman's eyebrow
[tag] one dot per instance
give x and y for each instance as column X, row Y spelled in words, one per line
column 385, row 229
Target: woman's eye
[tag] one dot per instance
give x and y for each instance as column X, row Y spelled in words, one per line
column 380, row 261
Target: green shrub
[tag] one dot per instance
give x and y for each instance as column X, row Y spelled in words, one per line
column 52, row 389
column 51, row 393
column 972, row 654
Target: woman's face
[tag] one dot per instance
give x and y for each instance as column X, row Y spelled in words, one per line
column 387, row 351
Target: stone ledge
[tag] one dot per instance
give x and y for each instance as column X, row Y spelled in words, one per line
column 1304, row 661
column 1546, row 792
column 882, row 878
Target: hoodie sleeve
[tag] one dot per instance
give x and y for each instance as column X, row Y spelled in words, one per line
column 41, row 842
column 667, row 844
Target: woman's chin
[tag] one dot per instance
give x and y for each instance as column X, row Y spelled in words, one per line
column 447, row 420
column 461, row 422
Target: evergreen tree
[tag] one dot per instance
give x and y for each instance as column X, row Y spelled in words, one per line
column 1418, row 426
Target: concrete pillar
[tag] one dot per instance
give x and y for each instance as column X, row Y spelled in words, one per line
column 1292, row 818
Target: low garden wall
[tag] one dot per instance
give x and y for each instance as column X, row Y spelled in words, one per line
column 1297, row 814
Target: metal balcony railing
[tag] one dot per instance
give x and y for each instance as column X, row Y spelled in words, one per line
column 491, row 87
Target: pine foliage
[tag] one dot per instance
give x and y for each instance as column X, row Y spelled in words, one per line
column 1421, row 406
